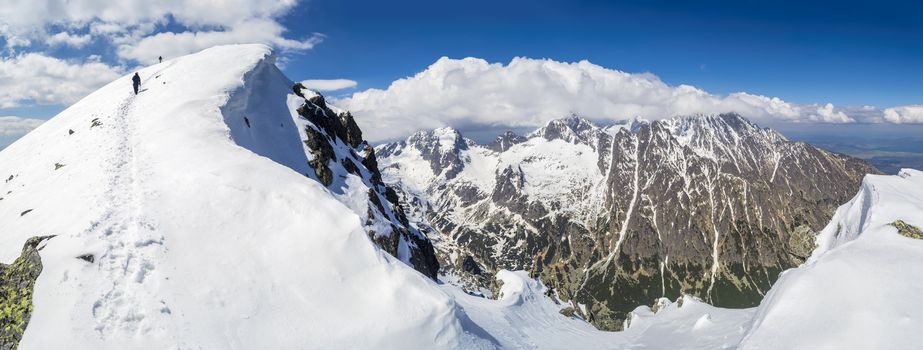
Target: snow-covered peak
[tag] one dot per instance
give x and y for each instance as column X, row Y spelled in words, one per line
column 183, row 219
column 440, row 148
column 688, row 128
column 630, row 125
column 445, row 139
column 718, row 136
column 572, row 129
column 449, row 138
column 506, row 140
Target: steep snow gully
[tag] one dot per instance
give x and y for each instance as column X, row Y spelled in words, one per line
column 186, row 218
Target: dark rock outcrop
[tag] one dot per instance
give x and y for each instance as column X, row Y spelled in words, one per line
column 336, row 148
column 16, row 285
column 505, row 141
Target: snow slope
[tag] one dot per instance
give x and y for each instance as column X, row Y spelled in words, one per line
column 199, row 241
column 861, row 288
column 523, row 317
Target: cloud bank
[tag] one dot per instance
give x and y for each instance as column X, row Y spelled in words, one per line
column 135, row 27
column 329, row 84
column 12, row 128
column 127, row 33
column 472, row 92
column 904, row 114
column 17, row 126
column 36, row 78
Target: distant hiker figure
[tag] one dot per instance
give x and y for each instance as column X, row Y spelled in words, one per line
column 160, row 58
column 136, row 82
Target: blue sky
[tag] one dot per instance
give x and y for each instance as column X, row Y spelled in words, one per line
column 808, row 63
column 852, row 54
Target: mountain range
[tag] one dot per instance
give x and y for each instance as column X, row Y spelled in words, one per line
column 612, row 217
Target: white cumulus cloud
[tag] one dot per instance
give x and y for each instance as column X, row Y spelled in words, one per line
column 36, row 78
column 168, row 44
column 828, row 114
column 472, row 92
column 136, row 31
column 26, row 16
column 17, row 126
column 68, row 39
column 912, row 114
column 134, row 27
column 12, row 128
column 329, row 84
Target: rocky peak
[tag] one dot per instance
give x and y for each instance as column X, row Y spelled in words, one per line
column 336, row 148
column 440, row 147
column 573, row 129
column 729, row 124
column 719, row 136
column 335, row 122
column 630, row 126
column 506, row 140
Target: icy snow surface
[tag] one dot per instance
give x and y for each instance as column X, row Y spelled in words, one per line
column 207, row 234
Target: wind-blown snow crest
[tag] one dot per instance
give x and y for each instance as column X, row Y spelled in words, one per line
column 880, row 201
column 861, row 287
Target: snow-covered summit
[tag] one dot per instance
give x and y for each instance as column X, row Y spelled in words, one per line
column 183, row 218
column 505, row 141
column 572, row 129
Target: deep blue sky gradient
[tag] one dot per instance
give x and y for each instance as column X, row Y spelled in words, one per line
column 848, row 53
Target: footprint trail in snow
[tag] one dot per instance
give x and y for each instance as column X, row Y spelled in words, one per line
column 130, row 239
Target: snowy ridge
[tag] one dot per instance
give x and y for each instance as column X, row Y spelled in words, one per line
column 197, row 240
column 861, row 287
column 869, row 212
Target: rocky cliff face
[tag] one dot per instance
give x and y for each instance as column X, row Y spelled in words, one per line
column 335, row 149
column 615, row 217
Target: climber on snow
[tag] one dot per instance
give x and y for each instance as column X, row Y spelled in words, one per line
column 136, row 82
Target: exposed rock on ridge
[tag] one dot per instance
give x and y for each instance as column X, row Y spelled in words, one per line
column 335, row 147
column 16, row 284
